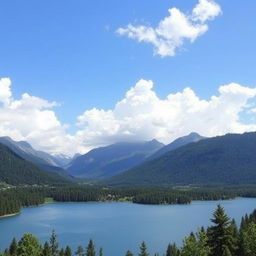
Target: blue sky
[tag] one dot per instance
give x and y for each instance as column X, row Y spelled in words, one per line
column 69, row 52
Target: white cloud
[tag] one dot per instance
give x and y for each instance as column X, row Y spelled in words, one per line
column 205, row 10
column 140, row 115
column 31, row 118
column 171, row 32
column 5, row 91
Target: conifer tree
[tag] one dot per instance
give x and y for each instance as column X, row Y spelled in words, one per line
column 28, row 245
column 172, row 250
column 220, row 234
column 195, row 245
column 128, row 253
column 249, row 240
column 227, row 252
column 13, row 247
column 143, row 249
column 61, row 252
column 101, row 252
column 54, row 244
column 80, row 251
column 68, row 251
column 46, row 249
column 90, row 250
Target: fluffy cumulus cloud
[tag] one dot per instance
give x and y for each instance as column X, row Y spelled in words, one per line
column 32, row 119
column 140, row 115
column 174, row 29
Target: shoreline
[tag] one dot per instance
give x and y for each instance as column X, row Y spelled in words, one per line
column 110, row 201
column 9, row 215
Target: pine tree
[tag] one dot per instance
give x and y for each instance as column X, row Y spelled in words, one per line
column 227, row 252
column 13, row 248
column 46, row 250
column 68, row 251
column 61, row 252
column 220, row 234
column 80, row 251
column 54, row 244
column 28, row 245
column 195, row 245
column 101, row 252
column 172, row 250
column 249, row 240
column 143, row 249
column 90, row 250
column 128, row 253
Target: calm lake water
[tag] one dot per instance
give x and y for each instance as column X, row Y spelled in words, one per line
column 117, row 226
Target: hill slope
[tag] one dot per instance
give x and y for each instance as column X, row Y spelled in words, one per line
column 229, row 159
column 111, row 160
column 39, row 158
column 15, row 170
column 182, row 141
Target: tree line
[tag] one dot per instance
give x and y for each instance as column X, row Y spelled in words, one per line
column 222, row 238
column 13, row 199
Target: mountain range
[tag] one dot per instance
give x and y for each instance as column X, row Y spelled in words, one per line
column 189, row 160
column 222, row 160
column 15, row 170
column 108, row 161
column 39, row 158
column 181, row 141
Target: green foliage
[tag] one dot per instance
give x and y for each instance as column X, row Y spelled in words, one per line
column 54, row 244
column 68, row 251
column 221, row 240
column 46, row 251
column 80, row 251
column 228, row 159
column 61, row 252
column 128, row 253
column 90, row 249
column 172, row 250
column 28, row 246
column 249, row 240
column 15, row 170
column 143, row 249
column 12, row 199
column 195, row 245
column 13, row 248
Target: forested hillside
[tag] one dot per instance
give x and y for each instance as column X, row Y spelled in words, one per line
column 41, row 159
column 223, row 160
column 15, row 170
column 108, row 161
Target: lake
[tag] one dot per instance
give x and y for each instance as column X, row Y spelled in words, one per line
column 117, row 226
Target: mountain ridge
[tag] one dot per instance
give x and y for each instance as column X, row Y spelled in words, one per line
column 39, row 158
column 15, row 170
column 228, row 159
column 110, row 160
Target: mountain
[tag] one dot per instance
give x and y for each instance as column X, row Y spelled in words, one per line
column 41, row 159
column 61, row 160
column 229, row 159
column 16, row 171
column 192, row 137
column 110, row 160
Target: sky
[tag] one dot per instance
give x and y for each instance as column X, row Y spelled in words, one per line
column 76, row 75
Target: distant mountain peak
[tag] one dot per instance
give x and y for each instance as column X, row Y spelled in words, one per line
column 179, row 142
column 221, row 160
column 40, row 158
column 112, row 159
